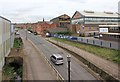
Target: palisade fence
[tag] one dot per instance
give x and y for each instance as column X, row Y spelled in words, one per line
column 101, row 43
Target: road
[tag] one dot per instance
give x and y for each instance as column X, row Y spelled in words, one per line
column 77, row 71
column 35, row 67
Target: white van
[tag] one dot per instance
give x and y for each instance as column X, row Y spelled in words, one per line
column 57, row 59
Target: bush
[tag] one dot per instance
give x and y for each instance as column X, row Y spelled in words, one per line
column 8, row 71
column 17, row 43
column 65, row 33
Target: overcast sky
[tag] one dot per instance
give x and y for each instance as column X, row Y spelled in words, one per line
column 20, row 11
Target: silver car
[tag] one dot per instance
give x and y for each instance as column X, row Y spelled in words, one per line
column 56, row 59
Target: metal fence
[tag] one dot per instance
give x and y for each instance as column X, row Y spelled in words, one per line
column 101, row 43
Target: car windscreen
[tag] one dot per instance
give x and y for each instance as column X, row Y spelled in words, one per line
column 59, row 58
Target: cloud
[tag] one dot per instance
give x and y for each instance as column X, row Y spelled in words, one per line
column 34, row 10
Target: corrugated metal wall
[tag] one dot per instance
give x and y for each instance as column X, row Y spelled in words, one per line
column 4, row 40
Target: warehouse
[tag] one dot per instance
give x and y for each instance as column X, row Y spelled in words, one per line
column 110, row 32
column 5, row 46
column 87, row 23
column 62, row 21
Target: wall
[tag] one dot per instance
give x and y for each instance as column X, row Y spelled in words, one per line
column 0, row 43
column 41, row 27
column 4, row 40
column 85, row 30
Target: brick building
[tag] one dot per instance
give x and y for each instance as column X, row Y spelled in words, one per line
column 22, row 25
column 86, row 23
column 62, row 21
column 41, row 27
column 53, row 30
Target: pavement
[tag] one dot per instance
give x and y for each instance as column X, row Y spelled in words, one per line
column 108, row 66
column 35, row 67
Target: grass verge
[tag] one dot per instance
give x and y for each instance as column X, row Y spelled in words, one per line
column 17, row 43
column 109, row 54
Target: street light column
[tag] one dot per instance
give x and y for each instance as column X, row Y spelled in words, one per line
column 69, row 60
column 26, row 33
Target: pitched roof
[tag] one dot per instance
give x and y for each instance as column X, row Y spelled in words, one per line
column 61, row 16
column 98, row 14
column 5, row 18
column 64, row 16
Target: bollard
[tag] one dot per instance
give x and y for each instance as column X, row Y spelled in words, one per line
column 87, row 40
column 101, row 43
column 81, row 40
column 110, row 44
column 93, row 42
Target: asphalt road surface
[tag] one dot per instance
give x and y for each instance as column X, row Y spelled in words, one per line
column 77, row 71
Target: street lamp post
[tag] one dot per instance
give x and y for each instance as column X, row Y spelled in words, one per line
column 26, row 33
column 69, row 60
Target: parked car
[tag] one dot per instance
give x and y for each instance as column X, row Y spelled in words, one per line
column 35, row 33
column 48, row 34
column 29, row 32
column 55, row 35
column 96, row 36
column 57, row 59
column 73, row 38
column 17, row 33
column 66, row 37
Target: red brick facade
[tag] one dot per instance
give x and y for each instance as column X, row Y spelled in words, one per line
column 41, row 27
column 84, row 29
column 38, row 27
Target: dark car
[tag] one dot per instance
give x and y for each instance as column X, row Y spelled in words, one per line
column 96, row 36
column 73, row 38
column 35, row 33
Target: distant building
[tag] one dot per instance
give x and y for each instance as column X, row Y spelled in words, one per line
column 62, row 21
column 41, row 27
column 86, row 23
column 53, row 30
column 20, row 25
column 5, row 46
column 110, row 32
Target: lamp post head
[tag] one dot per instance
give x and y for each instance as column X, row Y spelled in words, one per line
column 68, row 57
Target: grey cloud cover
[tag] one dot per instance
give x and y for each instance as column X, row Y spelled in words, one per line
column 35, row 10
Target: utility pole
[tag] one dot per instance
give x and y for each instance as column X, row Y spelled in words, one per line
column 69, row 60
column 26, row 33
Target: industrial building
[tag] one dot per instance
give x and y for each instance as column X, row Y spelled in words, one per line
column 5, row 42
column 86, row 23
column 62, row 21
column 110, row 32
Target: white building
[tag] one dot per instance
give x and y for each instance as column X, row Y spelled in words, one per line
column 5, row 46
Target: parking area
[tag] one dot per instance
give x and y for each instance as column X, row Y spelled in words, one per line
column 92, row 41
